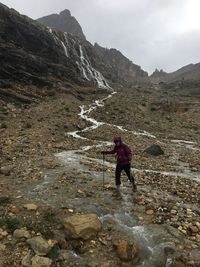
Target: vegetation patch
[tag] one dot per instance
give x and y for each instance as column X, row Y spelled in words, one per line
column 11, row 224
column 5, row 200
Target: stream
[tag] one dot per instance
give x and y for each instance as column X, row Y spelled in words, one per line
column 157, row 245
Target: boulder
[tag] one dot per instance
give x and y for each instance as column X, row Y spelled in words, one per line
column 154, row 150
column 38, row 261
column 21, row 233
column 127, row 251
column 39, row 245
column 83, row 226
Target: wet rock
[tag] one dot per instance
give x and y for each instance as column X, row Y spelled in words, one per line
column 83, row 226
column 39, row 245
column 38, row 261
column 66, row 255
column 127, row 251
column 154, row 150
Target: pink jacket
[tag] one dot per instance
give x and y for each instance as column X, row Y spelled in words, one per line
column 123, row 153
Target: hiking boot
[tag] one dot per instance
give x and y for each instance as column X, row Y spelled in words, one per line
column 134, row 187
column 117, row 191
column 117, row 187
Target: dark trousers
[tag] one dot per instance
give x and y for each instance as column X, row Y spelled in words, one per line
column 119, row 169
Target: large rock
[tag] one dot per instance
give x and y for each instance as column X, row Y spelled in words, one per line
column 39, row 245
column 21, row 233
column 127, row 251
column 154, row 150
column 83, row 226
column 38, row 261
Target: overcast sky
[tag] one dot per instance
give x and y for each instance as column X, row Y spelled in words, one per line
column 151, row 33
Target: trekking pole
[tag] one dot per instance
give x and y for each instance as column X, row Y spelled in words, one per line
column 103, row 169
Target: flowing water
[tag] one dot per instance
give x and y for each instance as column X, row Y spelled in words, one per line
column 156, row 243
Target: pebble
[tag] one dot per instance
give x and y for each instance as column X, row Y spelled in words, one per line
column 174, row 212
column 30, row 207
column 150, row 212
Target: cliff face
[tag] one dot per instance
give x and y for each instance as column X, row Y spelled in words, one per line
column 110, row 62
column 29, row 53
column 33, row 54
column 63, row 22
column 117, row 68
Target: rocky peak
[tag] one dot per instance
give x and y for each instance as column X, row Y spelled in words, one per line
column 65, row 13
column 63, row 22
column 158, row 73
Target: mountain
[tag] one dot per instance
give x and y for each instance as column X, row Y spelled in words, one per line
column 184, row 81
column 110, row 62
column 35, row 55
column 189, row 72
column 63, row 22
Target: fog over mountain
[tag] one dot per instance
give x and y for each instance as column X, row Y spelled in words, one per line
column 153, row 34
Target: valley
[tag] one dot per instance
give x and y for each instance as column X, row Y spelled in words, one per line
column 44, row 163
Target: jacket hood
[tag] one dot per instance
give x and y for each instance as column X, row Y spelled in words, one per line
column 117, row 139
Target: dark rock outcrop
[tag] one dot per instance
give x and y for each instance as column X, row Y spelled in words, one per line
column 29, row 53
column 117, row 68
column 63, row 22
column 154, row 150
